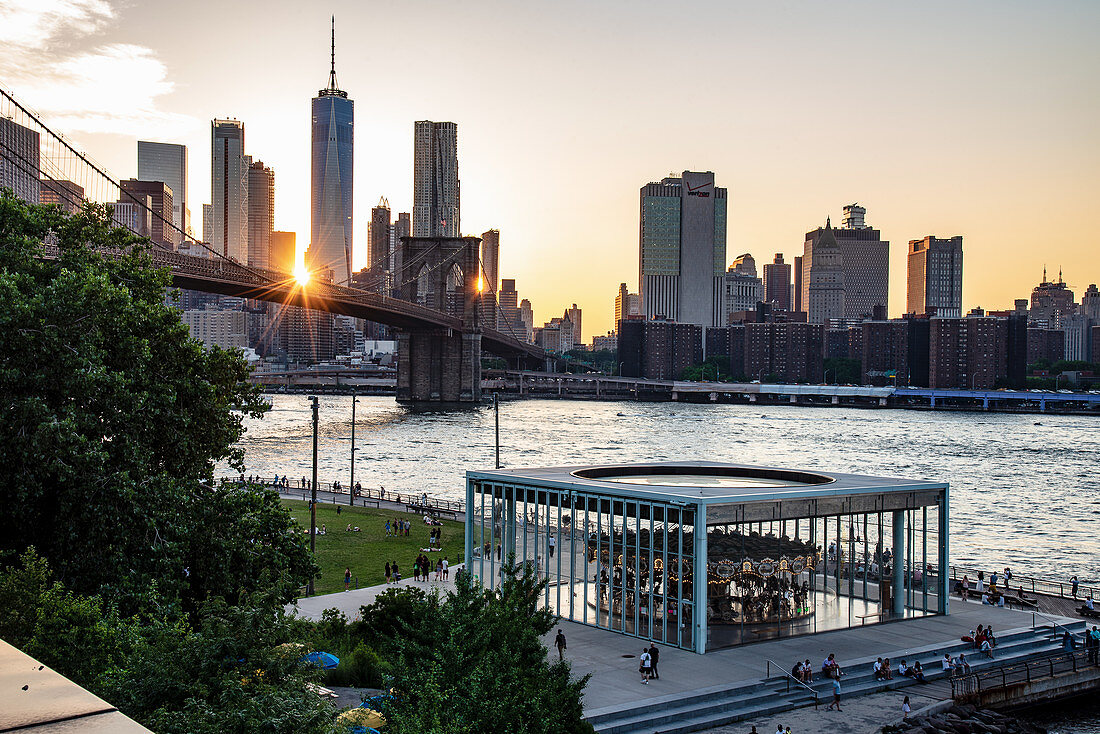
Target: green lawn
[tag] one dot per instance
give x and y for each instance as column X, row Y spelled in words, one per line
column 367, row 551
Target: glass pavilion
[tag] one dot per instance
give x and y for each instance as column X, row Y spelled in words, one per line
column 778, row 552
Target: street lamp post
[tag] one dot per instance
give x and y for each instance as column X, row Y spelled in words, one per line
column 351, row 481
column 496, row 419
column 620, row 369
column 826, row 378
column 313, row 493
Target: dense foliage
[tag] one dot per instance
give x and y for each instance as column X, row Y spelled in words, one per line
column 468, row 661
column 145, row 584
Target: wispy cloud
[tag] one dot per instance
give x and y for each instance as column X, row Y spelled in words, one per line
column 53, row 61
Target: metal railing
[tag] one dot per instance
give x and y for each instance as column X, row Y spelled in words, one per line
column 400, row 498
column 789, row 678
column 1063, row 589
column 973, row 684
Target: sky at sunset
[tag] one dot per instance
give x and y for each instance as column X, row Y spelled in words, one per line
column 977, row 119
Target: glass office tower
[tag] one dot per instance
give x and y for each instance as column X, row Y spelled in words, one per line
column 331, row 181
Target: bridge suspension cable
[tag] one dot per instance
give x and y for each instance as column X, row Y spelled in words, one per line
column 46, row 159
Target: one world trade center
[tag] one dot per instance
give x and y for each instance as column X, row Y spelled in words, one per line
column 330, row 246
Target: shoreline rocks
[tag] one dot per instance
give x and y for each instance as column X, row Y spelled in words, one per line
column 963, row 720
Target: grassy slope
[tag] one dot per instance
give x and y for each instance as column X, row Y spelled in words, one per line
column 367, row 551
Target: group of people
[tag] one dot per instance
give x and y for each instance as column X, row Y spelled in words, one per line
column 422, row 568
column 882, row 670
column 954, row 667
column 396, row 528
column 647, row 663
column 983, row 640
column 435, row 537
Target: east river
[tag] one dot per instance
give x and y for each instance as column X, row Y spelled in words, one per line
column 1025, row 489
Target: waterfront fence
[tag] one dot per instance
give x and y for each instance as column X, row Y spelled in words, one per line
column 970, row 686
column 1063, row 589
column 401, row 498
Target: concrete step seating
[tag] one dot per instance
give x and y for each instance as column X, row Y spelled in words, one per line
column 706, row 708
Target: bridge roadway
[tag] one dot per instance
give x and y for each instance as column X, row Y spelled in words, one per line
column 225, row 277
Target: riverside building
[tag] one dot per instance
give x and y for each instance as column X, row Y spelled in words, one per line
column 704, row 556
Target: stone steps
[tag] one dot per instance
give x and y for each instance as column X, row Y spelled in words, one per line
column 728, row 703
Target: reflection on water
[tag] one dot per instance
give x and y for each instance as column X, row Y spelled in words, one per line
column 1022, row 495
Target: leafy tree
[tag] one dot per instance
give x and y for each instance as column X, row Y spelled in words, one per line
column 716, row 368
column 483, row 667
column 113, row 420
column 843, row 371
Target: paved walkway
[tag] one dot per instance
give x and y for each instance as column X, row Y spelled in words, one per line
column 615, row 680
column 348, row 602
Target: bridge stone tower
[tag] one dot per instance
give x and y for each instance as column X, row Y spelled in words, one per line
column 439, row 364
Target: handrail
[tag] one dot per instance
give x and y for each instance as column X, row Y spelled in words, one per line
column 1054, row 622
column 997, row 677
column 787, row 673
column 1033, row 584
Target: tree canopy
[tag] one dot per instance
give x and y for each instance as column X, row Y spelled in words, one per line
column 113, row 420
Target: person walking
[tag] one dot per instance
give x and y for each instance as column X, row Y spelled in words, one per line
column 396, row 573
column 1074, row 583
column 347, row 579
column 559, row 642
column 906, row 709
column 389, row 572
column 836, row 696
column 654, row 657
column 644, row 665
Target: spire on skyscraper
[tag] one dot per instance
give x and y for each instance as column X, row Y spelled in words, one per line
column 333, row 88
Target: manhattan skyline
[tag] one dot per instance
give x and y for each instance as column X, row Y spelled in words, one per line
column 943, row 121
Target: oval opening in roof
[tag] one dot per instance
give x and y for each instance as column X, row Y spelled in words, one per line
column 717, row 477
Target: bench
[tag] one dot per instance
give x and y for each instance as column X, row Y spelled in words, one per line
column 864, row 617
column 1086, row 612
column 369, row 502
column 430, row 510
column 1027, row 603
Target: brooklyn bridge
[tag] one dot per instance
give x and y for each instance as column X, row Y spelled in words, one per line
column 435, row 309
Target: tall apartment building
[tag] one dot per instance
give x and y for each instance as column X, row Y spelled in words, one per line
column 573, row 316
column 1050, row 301
column 884, row 352
column 526, row 321
column 490, row 259
column 309, row 335
column 65, row 194
column 864, row 260
column 935, row 277
column 436, row 188
column 217, row 327
column 788, row 351
column 1078, row 343
column 741, row 288
column 798, row 305
column 658, row 349
column 777, row 283
column 167, row 162
column 332, row 179
column 379, row 237
column 283, row 256
column 682, row 249
column 261, row 214
column 134, row 214
column 508, row 308
column 1043, row 343
column 626, row 304
column 228, row 190
column 824, row 293
column 1090, row 302
column 21, row 162
column 160, row 198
